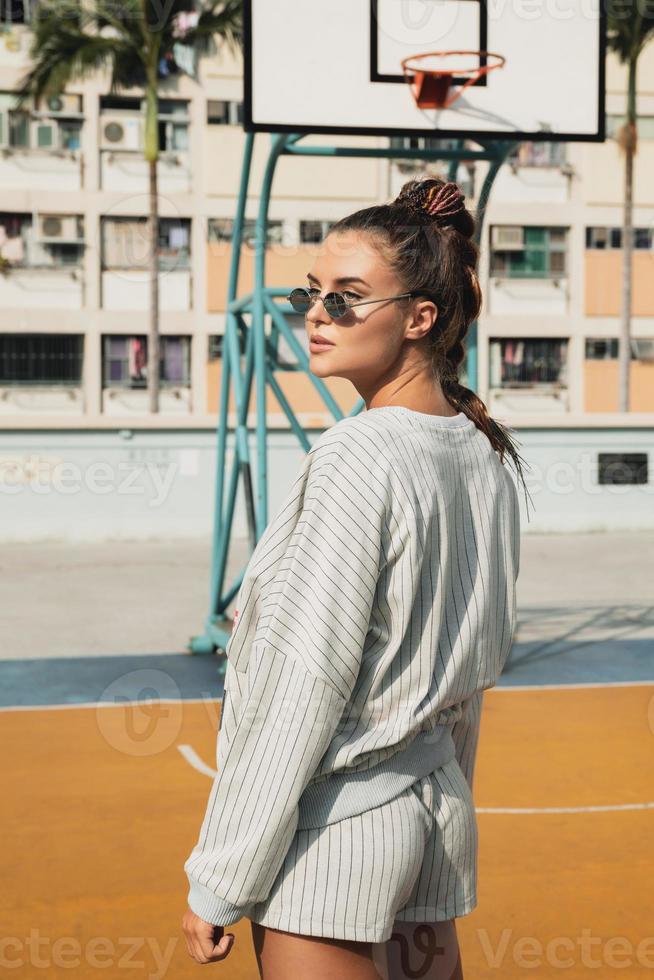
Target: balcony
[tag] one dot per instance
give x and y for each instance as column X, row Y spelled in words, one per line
column 41, row 148
column 121, row 139
column 41, row 267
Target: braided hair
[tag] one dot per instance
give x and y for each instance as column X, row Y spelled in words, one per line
column 427, row 236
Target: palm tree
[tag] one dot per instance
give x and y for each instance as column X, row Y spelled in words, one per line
column 628, row 31
column 133, row 39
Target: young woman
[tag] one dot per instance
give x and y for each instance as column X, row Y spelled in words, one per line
column 377, row 607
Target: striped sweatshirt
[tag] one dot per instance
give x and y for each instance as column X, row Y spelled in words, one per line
column 376, row 608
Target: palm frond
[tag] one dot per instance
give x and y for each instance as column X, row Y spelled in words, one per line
column 126, row 37
column 628, row 33
column 71, row 42
column 67, row 54
column 125, row 18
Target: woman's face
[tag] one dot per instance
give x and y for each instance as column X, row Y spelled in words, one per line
column 368, row 344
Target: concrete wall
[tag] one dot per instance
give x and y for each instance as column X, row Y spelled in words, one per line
column 601, row 386
column 92, row 485
column 603, row 284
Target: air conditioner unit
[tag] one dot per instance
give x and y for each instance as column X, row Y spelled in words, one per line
column 61, row 105
column 120, row 133
column 643, row 348
column 58, row 227
column 508, row 237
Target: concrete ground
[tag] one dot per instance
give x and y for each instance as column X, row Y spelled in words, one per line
column 119, row 598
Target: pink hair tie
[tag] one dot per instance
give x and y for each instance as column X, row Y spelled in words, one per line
column 444, row 203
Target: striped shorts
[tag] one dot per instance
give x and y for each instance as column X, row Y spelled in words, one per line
column 412, row 859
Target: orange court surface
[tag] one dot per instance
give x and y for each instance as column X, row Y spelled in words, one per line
column 109, row 760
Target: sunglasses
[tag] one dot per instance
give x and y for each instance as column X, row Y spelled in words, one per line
column 335, row 304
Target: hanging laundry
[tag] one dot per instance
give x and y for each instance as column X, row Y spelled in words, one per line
column 186, row 58
column 13, row 250
column 495, row 364
column 140, row 357
column 178, row 237
column 131, row 357
column 185, row 21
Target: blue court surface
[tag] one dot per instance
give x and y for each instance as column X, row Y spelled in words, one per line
column 581, row 645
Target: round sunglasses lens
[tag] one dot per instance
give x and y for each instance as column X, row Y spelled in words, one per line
column 335, row 304
column 300, row 300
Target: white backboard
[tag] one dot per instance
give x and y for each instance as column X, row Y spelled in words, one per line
column 334, row 66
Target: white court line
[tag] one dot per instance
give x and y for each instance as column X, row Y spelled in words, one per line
column 196, row 762
column 565, row 809
column 108, row 704
column 563, row 687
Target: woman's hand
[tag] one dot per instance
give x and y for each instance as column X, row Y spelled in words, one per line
column 205, row 942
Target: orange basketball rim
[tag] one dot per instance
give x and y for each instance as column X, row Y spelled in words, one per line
column 437, row 88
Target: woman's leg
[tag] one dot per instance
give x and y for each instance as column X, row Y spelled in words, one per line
column 424, row 950
column 288, row 956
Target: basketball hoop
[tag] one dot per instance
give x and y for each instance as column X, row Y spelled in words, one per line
column 431, row 85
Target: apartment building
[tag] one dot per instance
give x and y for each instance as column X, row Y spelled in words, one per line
column 73, row 253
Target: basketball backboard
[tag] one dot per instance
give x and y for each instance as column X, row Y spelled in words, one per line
column 335, row 66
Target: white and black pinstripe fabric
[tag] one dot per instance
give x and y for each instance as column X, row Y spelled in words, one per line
column 377, row 607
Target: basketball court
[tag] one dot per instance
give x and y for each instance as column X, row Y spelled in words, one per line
column 110, row 753
column 110, row 759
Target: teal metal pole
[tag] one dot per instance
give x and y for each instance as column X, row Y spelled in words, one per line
column 499, row 151
column 277, row 144
column 231, row 370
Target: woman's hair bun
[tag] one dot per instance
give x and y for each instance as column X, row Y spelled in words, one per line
column 441, row 201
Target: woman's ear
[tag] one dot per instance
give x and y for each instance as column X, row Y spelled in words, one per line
column 425, row 315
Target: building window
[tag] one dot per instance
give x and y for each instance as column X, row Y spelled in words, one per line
column 173, row 125
column 422, row 143
column 622, row 468
column 601, row 348
column 15, row 236
column 538, row 154
column 598, row 237
column 56, row 241
column 41, row 359
column 528, row 252
column 519, row 362
column 174, row 243
column 224, row 113
column 642, row 348
column 16, row 11
column 314, row 231
column 122, row 124
column 221, row 230
column 645, row 126
column 126, row 243
column 217, row 343
column 55, row 125
column 607, row 348
column 125, row 361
